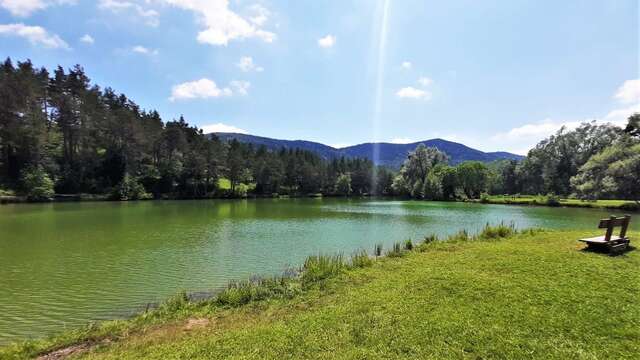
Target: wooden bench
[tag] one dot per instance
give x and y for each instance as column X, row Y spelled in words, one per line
column 609, row 241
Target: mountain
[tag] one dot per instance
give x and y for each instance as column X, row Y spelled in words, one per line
column 391, row 155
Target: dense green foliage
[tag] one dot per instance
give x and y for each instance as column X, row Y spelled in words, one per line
column 416, row 304
column 590, row 162
column 60, row 133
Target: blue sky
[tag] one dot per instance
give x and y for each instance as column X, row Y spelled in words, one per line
column 495, row 75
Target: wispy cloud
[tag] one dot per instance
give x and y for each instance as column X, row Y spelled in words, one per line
column 246, row 64
column 410, row 92
column 149, row 16
column 425, row 81
column 36, row 35
column 240, row 87
column 222, row 24
column 24, row 8
column 406, row 65
column 144, row 50
column 327, row 41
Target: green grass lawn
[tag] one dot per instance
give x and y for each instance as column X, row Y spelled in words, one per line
column 542, row 200
column 529, row 296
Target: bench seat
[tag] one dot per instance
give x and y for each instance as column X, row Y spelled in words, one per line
column 601, row 240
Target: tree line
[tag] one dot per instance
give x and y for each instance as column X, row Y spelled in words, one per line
column 591, row 162
column 61, row 134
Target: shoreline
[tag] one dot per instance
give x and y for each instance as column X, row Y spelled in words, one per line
column 321, row 277
column 315, row 270
column 620, row 205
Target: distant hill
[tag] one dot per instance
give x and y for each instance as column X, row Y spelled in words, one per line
column 391, row 155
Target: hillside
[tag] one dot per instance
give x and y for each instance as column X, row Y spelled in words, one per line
column 532, row 295
column 391, row 155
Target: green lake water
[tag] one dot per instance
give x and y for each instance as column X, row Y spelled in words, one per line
column 63, row 265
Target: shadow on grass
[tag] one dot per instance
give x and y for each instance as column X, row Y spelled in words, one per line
column 604, row 250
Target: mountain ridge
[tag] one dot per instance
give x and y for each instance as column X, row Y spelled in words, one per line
column 390, row 154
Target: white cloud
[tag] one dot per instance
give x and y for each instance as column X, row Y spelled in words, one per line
column 206, row 88
column 36, row 35
column 327, row 41
column 629, row 92
column 246, row 64
column 24, row 8
column 149, row 16
column 522, row 138
column 425, row 81
column 620, row 117
column 144, row 50
column 410, row 92
column 406, row 65
column 203, row 88
column 222, row 24
column 401, row 141
column 220, row 127
column 87, row 39
column 340, row 145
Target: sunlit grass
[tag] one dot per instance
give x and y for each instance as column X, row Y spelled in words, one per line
column 544, row 200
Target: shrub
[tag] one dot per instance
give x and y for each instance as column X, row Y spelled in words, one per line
column 130, row 189
column 485, row 198
column 241, row 190
column 37, row 184
column 4, row 192
column 552, row 200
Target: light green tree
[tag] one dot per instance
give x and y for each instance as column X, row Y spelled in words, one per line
column 614, row 172
column 413, row 173
column 343, row 185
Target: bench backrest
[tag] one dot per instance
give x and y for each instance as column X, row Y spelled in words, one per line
column 613, row 222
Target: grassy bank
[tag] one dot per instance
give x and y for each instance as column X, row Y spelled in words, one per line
column 623, row 205
column 500, row 295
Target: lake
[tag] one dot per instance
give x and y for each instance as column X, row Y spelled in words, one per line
column 65, row 264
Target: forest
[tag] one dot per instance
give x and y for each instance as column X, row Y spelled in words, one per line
column 61, row 134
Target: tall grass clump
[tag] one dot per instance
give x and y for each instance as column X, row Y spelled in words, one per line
column 377, row 250
column 497, row 231
column 319, row 267
column 175, row 303
column 408, row 245
column 461, row 235
column 361, row 259
column 243, row 292
column 396, row 251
